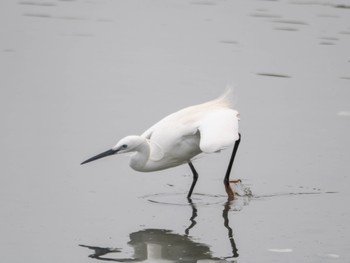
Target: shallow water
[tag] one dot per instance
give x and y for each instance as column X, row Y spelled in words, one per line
column 76, row 76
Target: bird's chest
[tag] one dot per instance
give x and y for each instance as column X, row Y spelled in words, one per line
column 186, row 147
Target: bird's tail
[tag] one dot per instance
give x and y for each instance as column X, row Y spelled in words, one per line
column 225, row 99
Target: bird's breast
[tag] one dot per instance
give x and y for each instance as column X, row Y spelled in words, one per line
column 177, row 152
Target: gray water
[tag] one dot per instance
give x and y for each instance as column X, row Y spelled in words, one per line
column 76, row 76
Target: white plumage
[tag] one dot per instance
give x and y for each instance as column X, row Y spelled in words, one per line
column 180, row 136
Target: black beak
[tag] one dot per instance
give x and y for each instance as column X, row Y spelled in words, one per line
column 101, row 155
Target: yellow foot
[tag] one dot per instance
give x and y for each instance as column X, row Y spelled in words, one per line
column 236, row 181
column 230, row 192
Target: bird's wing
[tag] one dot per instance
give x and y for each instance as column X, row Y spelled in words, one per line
column 156, row 151
column 218, row 130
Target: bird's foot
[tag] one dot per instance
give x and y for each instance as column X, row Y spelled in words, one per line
column 236, row 181
column 229, row 190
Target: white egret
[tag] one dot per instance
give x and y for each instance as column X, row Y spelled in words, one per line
column 180, row 136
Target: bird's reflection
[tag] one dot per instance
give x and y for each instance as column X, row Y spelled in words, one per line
column 229, row 229
column 161, row 245
column 193, row 217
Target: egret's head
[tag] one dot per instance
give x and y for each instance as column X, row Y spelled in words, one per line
column 127, row 144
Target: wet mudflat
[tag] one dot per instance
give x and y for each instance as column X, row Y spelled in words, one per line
column 76, row 76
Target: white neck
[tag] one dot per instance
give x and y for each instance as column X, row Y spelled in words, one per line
column 139, row 159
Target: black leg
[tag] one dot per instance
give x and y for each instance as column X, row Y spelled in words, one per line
column 195, row 178
column 228, row 172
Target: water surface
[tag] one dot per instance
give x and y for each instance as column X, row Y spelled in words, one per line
column 76, row 76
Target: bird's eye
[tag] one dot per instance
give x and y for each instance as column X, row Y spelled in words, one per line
column 124, row 146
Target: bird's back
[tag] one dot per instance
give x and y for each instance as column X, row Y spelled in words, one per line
column 188, row 116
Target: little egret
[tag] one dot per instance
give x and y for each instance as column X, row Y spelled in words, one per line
column 180, row 136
